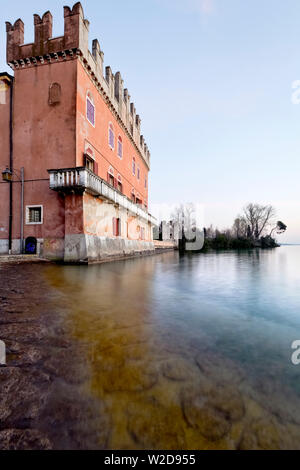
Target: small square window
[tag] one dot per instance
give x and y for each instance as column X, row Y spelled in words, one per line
column 34, row 215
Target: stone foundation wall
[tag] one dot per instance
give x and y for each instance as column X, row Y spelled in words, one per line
column 91, row 249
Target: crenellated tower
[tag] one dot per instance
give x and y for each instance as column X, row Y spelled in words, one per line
column 73, row 45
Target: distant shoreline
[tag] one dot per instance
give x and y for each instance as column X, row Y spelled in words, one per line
column 289, row 244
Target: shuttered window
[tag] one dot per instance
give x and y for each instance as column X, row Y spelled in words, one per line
column 120, row 147
column 111, row 137
column 116, row 227
column 90, row 110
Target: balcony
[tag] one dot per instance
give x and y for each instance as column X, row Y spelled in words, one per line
column 81, row 179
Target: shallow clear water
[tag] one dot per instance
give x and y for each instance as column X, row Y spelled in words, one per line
column 192, row 352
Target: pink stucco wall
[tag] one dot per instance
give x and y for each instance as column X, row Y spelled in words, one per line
column 4, row 156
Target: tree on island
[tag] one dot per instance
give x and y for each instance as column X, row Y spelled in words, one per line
column 280, row 228
column 249, row 230
column 257, row 218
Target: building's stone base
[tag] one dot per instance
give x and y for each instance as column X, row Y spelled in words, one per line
column 3, row 247
column 91, row 249
column 16, row 246
column 85, row 249
column 53, row 249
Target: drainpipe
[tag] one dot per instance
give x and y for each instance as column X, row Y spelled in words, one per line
column 11, row 168
column 22, row 212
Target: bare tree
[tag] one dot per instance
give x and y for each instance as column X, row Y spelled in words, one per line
column 184, row 216
column 210, row 232
column 257, row 218
column 239, row 228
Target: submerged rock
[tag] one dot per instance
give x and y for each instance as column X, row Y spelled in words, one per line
column 211, row 422
column 178, row 370
column 219, row 368
column 268, row 434
column 153, row 426
column 132, row 377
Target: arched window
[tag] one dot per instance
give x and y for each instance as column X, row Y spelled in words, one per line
column 120, row 147
column 111, row 136
column 111, row 176
column 138, row 173
column 54, row 94
column 120, row 185
column 133, row 166
column 90, row 109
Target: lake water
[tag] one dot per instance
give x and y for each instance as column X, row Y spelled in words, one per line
column 188, row 352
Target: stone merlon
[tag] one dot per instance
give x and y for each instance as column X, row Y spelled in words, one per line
column 74, row 43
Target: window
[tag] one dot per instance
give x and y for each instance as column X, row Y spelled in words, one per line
column 120, row 147
column 145, row 182
column 89, row 162
column 133, row 195
column 111, row 136
column 111, row 176
column 90, row 109
column 120, row 185
column 133, row 166
column 116, row 227
column 54, row 94
column 34, row 215
column 138, row 173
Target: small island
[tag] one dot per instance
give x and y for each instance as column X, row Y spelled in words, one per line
column 253, row 229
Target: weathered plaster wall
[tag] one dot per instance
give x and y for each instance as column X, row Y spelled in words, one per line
column 98, row 243
column 44, row 137
column 98, row 220
column 4, row 162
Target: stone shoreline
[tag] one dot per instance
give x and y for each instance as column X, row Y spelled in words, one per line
column 43, row 400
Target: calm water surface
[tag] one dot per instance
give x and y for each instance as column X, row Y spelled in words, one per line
column 191, row 352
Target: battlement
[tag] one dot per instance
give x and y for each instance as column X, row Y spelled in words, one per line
column 75, row 44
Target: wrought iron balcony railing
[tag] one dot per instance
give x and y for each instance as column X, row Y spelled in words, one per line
column 82, row 179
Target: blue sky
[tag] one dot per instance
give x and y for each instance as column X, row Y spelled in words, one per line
column 212, row 81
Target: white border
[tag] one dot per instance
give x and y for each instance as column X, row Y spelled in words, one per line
column 34, row 207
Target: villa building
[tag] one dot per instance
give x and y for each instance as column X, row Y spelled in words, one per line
column 75, row 166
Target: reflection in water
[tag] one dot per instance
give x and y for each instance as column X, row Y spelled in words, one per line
column 193, row 352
